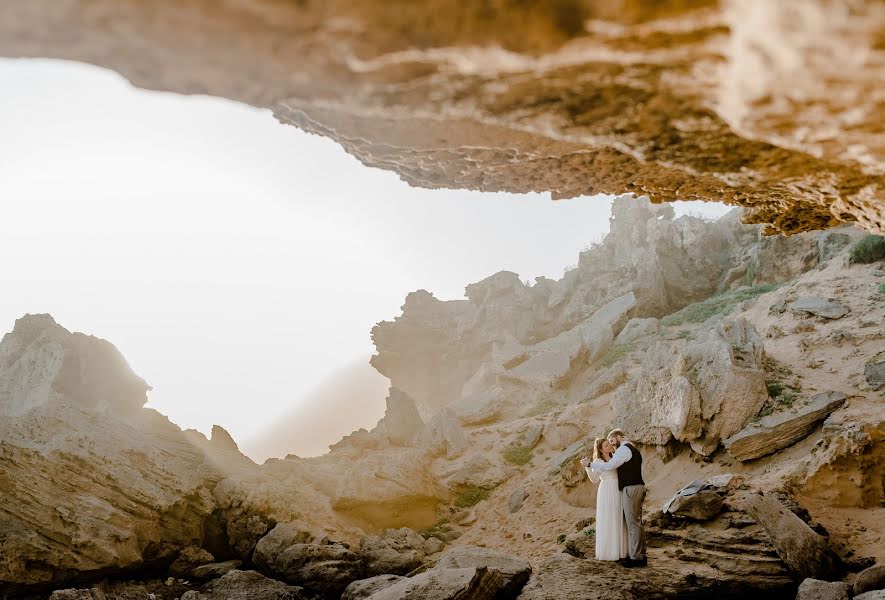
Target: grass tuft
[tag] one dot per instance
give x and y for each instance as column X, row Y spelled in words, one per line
column 882, row 288
column 471, row 496
column 780, row 397
column 721, row 304
column 867, row 249
column 518, row 455
column 437, row 530
column 616, row 353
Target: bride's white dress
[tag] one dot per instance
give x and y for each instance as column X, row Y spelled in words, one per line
column 611, row 528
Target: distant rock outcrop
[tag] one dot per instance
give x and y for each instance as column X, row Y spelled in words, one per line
column 91, row 481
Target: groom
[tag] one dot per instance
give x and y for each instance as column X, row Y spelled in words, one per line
column 628, row 461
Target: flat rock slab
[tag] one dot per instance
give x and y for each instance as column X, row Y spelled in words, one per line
column 514, row 571
column 870, row 580
column 247, row 585
column 363, row 588
column 445, row 584
column 820, row 307
column 803, row 550
column 780, row 430
column 814, row 589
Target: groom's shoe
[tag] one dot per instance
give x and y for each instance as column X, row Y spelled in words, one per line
column 632, row 564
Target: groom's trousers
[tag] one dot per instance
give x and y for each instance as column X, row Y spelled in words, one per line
column 632, row 497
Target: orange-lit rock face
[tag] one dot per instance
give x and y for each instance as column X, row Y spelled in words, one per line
column 776, row 106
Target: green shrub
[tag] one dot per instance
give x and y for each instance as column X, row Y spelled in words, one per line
column 471, row 496
column 437, row 529
column 721, row 304
column 882, row 288
column 780, row 396
column 867, row 249
column 774, row 388
column 616, row 353
column 518, row 455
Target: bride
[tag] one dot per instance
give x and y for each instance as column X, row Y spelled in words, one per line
column 611, row 528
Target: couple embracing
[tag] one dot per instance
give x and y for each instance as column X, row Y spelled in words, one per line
column 617, row 467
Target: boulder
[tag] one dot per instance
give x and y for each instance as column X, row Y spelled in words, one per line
column 363, row 588
column 874, row 371
column 398, row 552
column 697, row 506
column 432, row 545
column 815, row 589
column 401, row 422
column 869, row 580
column 247, row 585
column 779, row 430
column 445, row 584
column 513, row 570
column 820, row 307
column 637, row 328
column 215, row 570
column 189, row 559
column 514, row 503
column 443, row 435
column 326, row 568
column 874, row 595
column 802, row 549
column 701, row 392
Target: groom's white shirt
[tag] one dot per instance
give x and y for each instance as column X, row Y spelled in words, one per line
column 621, row 455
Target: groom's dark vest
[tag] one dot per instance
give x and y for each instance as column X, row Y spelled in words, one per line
column 630, row 473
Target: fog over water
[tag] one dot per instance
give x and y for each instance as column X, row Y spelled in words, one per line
column 239, row 264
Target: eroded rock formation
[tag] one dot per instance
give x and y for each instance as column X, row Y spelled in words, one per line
column 91, row 482
column 472, row 475
column 775, row 106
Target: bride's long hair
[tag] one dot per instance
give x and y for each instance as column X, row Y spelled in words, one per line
column 597, row 450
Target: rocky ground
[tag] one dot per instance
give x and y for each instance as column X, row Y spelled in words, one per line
column 748, row 368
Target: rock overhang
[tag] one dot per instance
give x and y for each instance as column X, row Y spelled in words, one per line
column 775, row 107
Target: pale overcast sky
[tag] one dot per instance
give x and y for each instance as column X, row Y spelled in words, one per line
column 236, row 262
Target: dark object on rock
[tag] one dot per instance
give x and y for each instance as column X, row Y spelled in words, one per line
column 698, row 506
